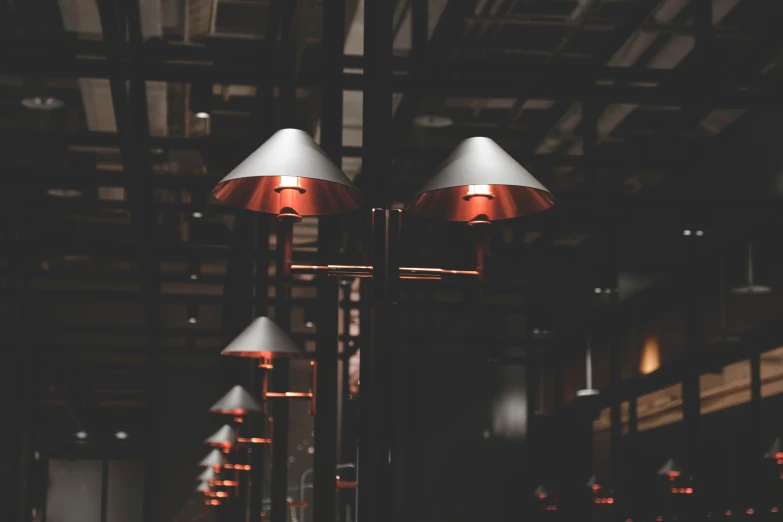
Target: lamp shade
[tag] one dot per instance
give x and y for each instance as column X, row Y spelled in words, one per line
column 289, row 158
column 263, row 339
column 775, row 451
column 225, row 437
column 671, row 469
column 203, row 486
column 541, row 492
column 207, row 475
column 236, row 402
column 213, row 459
column 480, row 179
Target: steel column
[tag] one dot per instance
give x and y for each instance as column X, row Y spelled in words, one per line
column 375, row 452
column 325, row 458
column 279, row 377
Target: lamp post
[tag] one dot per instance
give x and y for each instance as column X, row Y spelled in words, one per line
column 290, row 176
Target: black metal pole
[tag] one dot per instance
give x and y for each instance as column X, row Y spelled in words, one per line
column 325, row 458
column 375, row 448
column 257, row 423
column 279, row 377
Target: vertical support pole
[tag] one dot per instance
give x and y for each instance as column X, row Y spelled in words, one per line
column 285, row 230
column 376, row 384
column 632, row 487
column 691, row 393
column 615, row 414
column 325, row 458
column 756, row 424
column 104, row 490
column 256, row 423
column 26, row 388
column 280, row 408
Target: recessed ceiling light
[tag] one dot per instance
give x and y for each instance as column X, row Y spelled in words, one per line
column 433, row 121
column 202, row 115
column 42, row 103
column 64, row 193
column 121, row 435
column 192, row 320
column 197, row 214
column 309, row 324
column 597, row 290
column 686, row 232
column 194, row 277
column 699, row 232
column 311, row 450
column 81, row 435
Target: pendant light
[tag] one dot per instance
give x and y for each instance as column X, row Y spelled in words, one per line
column 214, row 459
column 751, row 287
column 236, row 402
column 480, row 181
column 203, row 486
column 289, row 175
column 224, row 438
column 263, row 339
column 588, row 390
column 207, row 475
column 671, row 469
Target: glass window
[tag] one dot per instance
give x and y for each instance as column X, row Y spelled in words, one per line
column 772, row 372
column 730, row 387
column 660, row 407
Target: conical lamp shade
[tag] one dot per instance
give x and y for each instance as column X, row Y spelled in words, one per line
column 775, row 451
column 263, row 339
column 289, row 156
column 214, row 458
column 203, row 486
column 480, row 179
column 236, row 402
column 207, row 475
column 541, row 492
column 671, row 469
column 225, row 437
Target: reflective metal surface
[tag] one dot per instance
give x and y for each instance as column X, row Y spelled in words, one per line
column 236, row 402
column 225, row 437
column 214, row 459
column 322, row 188
column 480, row 179
column 263, row 339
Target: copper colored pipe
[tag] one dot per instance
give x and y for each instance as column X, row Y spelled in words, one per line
column 407, row 272
column 289, row 395
column 253, row 440
column 347, row 484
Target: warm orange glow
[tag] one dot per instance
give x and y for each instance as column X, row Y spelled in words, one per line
column 673, row 475
column 773, row 509
column 238, row 467
column 542, row 496
column 658, row 518
column 610, row 500
column 728, row 513
column 750, row 511
column 674, row 490
column 289, row 182
column 596, row 488
column 689, row 491
column 214, row 482
column 479, row 191
column 254, row 440
column 651, row 356
column 289, row 395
